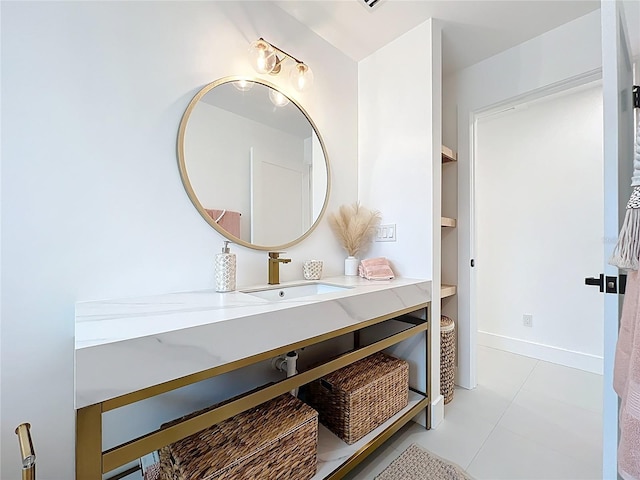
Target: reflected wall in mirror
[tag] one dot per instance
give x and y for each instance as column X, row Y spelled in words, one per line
column 253, row 163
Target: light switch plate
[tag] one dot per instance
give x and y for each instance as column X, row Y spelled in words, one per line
column 386, row 233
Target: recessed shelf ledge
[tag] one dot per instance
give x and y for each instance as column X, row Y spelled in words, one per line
column 448, row 155
column 448, row 222
column 447, row 290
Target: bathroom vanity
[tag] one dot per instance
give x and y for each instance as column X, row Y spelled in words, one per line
column 128, row 350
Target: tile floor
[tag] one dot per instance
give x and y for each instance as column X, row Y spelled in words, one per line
column 527, row 419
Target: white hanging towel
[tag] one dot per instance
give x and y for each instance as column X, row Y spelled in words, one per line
column 627, row 252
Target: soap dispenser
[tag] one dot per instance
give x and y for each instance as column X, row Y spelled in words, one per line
column 225, row 266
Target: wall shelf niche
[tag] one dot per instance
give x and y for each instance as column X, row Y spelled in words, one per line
column 447, row 290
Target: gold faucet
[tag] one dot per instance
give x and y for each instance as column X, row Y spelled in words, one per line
column 274, row 267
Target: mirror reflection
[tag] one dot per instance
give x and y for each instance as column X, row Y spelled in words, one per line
column 253, row 163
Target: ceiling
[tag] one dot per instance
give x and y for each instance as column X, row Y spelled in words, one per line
column 472, row 29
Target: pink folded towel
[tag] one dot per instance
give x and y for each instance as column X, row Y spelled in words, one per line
column 626, row 381
column 375, row 269
column 374, row 262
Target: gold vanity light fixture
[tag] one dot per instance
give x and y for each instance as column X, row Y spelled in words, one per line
column 267, row 58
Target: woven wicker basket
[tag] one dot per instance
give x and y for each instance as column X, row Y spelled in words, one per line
column 356, row 399
column 275, row 440
column 447, row 357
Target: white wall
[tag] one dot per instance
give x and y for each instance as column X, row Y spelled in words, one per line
column 539, row 188
column 224, row 185
column 550, row 60
column 395, row 148
column 92, row 203
column 399, row 163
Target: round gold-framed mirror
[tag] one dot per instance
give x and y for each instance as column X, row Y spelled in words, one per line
column 253, row 163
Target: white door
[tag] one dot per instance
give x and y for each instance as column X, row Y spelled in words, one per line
column 278, row 197
column 282, row 200
column 617, row 83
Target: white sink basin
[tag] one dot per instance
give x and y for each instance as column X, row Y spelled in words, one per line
column 287, row 292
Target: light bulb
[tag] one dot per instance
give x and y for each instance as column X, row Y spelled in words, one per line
column 301, row 77
column 263, row 56
column 277, row 98
column 243, row 85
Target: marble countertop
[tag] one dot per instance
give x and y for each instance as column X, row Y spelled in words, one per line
column 124, row 345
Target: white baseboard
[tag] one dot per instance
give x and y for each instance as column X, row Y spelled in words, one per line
column 561, row 356
column 437, row 413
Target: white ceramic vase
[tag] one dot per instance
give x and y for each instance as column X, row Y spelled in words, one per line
column 351, row 265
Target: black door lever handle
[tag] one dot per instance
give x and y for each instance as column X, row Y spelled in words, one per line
column 599, row 282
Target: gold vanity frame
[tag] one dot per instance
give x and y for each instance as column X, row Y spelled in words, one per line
column 92, row 462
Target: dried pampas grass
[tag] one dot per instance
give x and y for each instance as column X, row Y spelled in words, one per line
column 355, row 226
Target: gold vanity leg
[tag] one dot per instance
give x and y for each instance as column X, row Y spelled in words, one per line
column 89, row 443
